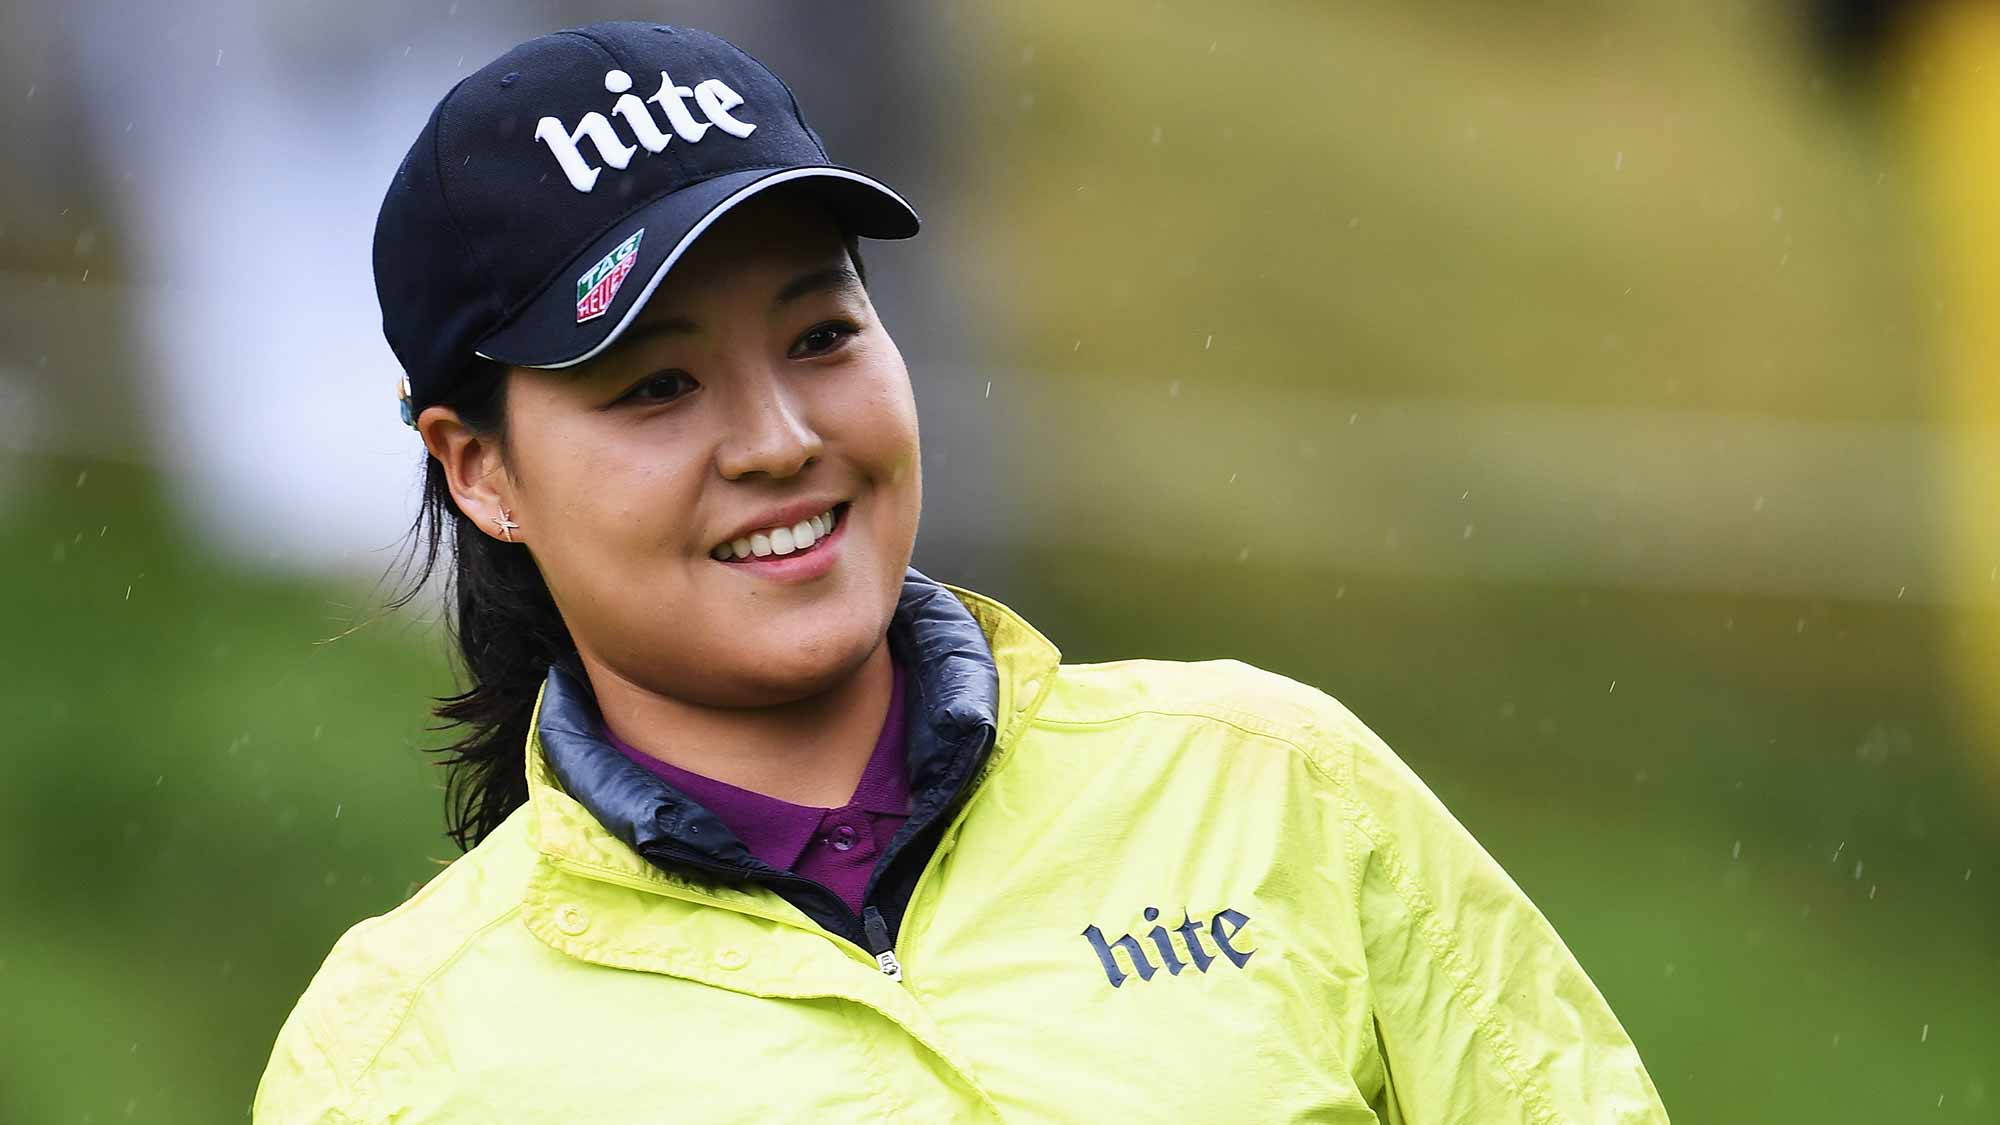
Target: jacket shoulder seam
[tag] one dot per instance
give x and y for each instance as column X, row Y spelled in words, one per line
column 1445, row 950
column 416, row 991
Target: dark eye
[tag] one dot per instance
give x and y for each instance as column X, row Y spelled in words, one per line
column 823, row 338
column 664, row 387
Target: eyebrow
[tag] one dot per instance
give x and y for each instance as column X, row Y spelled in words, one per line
column 840, row 278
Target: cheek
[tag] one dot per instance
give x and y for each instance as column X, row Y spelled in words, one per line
column 881, row 415
column 608, row 509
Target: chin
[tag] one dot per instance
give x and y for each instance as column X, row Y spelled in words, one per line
column 800, row 670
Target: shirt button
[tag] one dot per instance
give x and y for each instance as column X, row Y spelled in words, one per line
column 843, row 838
column 732, row 958
column 571, row 921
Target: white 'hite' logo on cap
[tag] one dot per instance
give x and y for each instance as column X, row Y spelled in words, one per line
column 714, row 97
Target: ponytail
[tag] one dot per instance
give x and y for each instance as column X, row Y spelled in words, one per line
column 505, row 626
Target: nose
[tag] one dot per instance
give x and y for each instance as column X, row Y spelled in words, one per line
column 769, row 432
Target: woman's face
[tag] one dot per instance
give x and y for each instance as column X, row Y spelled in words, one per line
column 755, row 390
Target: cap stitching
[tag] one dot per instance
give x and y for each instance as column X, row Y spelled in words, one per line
column 448, row 380
column 799, row 114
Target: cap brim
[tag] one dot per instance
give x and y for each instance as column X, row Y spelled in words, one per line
column 547, row 332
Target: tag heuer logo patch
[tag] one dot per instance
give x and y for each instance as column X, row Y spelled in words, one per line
column 600, row 282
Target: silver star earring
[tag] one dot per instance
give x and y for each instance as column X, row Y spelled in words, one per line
column 507, row 524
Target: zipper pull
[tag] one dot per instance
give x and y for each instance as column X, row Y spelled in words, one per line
column 877, row 932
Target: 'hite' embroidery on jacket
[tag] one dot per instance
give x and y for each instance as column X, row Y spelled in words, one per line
column 1190, row 932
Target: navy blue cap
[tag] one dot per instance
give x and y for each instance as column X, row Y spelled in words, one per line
column 553, row 188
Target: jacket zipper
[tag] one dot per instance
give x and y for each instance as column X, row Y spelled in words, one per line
column 877, row 932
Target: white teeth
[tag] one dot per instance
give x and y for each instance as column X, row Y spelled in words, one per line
column 779, row 540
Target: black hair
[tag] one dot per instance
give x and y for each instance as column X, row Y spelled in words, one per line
column 500, row 615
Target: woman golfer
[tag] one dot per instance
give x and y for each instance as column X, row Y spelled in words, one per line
column 765, row 825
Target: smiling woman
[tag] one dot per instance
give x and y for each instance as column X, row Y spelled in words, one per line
column 762, row 823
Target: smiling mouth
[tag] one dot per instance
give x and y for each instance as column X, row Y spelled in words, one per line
column 783, row 542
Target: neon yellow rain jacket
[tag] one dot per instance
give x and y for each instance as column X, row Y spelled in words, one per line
column 1173, row 892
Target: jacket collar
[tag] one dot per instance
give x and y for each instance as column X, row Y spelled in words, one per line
column 977, row 671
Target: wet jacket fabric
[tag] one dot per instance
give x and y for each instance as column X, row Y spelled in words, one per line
column 1142, row 890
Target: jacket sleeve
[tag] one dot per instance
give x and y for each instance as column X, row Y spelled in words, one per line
column 1482, row 1014
column 300, row 1082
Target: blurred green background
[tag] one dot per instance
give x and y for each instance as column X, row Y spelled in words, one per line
column 1582, row 392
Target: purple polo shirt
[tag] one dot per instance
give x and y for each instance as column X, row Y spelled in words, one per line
column 836, row 847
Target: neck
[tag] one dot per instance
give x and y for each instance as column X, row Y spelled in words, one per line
column 810, row 751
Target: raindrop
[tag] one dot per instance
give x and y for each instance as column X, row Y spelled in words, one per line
column 1208, row 342
column 336, row 810
column 1244, row 554
column 1926, row 1036
column 1618, row 163
column 989, row 388
column 1857, row 868
column 82, row 476
column 1612, row 688
column 1467, row 534
column 1076, row 346
column 1901, row 592
column 218, row 56
column 1174, row 389
column 1156, row 134
column 1736, row 850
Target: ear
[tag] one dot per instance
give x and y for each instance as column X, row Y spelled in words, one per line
column 472, row 468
